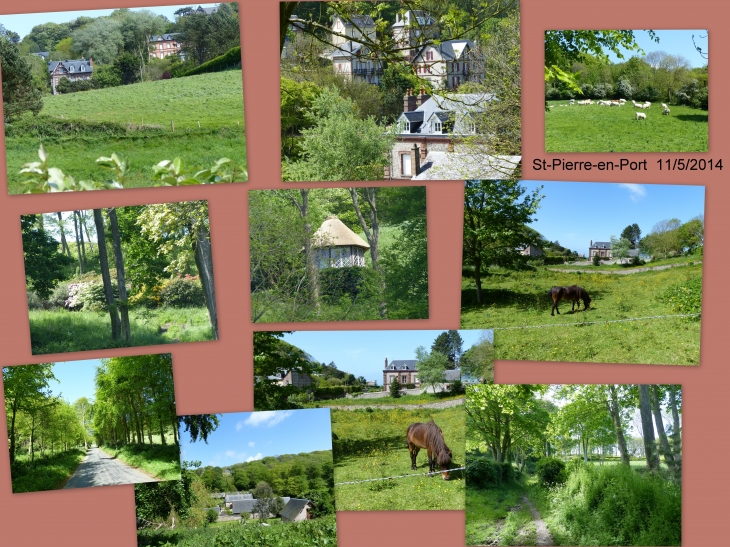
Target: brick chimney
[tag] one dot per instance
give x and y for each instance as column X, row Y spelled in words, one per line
column 415, row 160
column 422, row 97
column 409, row 101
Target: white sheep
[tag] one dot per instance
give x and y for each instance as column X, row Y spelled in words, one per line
column 615, row 103
column 622, row 101
column 640, row 115
column 572, row 101
column 647, row 104
column 665, row 111
column 664, row 106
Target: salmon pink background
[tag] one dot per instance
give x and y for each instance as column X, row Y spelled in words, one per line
column 217, row 376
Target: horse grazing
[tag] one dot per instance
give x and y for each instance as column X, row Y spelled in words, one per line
column 574, row 293
column 430, row 437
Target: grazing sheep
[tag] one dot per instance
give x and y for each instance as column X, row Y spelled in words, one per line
column 647, row 104
column 615, row 103
column 622, row 101
column 664, row 106
column 665, row 111
column 640, row 115
column 572, row 102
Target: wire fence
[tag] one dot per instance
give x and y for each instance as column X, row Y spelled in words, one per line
column 581, row 323
column 401, row 476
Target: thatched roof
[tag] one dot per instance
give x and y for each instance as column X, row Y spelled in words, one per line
column 333, row 232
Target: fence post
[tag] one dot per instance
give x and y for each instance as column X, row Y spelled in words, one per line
column 172, row 125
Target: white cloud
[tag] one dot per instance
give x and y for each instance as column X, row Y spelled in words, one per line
column 251, row 444
column 239, row 426
column 636, row 191
column 268, row 418
column 254, row 458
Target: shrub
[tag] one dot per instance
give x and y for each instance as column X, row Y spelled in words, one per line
column 508, row 471
column 685, row 297
column 410, row 386
column 567, row 94
column 587, row 90
column 181, row 292
column 552, row 94
column 624, row 89
column 34, row 301
column 551, row 471
column 482, row 473
column 230, row 59
column 211, row 516
column 636, row 261
column 354, row 282
column 596, row 260
column 395, row 388
column 457, row 388
column 59, row 295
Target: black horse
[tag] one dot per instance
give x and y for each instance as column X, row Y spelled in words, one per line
column 574, row 293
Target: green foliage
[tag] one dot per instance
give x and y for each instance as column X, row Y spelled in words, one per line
column 394, row 388
column 19, row 93
column 596, row 259
column 457, row 388
column 230, row 59
column 181, row 292
column 551, row 471
column 431, row 367
column 44, row 265
column 156, row 500
column 449, row 343
column 617, row 505
column 353, row 282
column 160, row 461
column 482, row 472
column 211, row 516
column 48, row 473
column 685, row 297
column 309, row 533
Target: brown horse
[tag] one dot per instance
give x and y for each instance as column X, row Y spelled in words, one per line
column 430, row 437
column 574, row 293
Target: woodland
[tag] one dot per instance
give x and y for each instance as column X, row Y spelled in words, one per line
column 289, row 284
column 130, row 416
column 574, row 465
column 118, row 277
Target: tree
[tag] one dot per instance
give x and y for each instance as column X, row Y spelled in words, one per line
column 199, row 425
column 449, row 343
column 84, row 411
column 124, row 329
column 620, row 248
column 272, row 358
column 100, row 40
column 105, row 276
column 495, row 213
column 478, row 361
column 137, row 27
column 633, row 234
column 395, row 388
column 44, row 265
column 19, row 93
column 266, row 502
column 647, row 427
column 431, row 367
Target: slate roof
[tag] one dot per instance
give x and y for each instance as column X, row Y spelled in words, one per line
column 401, row 364
column 243, row 506
column 450, row 50
column 451, row 375
column 238, row 497
column 347, row 50
column 457, row 105
column 73, row 67
column 164, row 37
column 601, row 245
column 42, row 54
column 293, row 507
column 421, row 19
column 359, row 21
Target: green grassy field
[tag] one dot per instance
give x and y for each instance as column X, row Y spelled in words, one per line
column 515, row 299
column 144, row 112
column 498, row 516
column 371, row 445
column 60, row 330
column 380, row 401
column 678, row 261
column 594, row 128
column 45, row 473
column 162, row 462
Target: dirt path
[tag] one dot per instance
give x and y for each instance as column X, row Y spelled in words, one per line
column 442, row 404
column 543, row 534
column 100, row 469
column 624, row 272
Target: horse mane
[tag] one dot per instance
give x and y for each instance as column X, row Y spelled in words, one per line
column 435, row 439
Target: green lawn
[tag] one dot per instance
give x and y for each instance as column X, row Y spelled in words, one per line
column 60, row 330
column 498, row 516
column 143, row 112
column 372, row 444
column 594, row 128
column 48, row 472
column 516, row 299
column 682, row 260
column 380, row 401
column 162, row 462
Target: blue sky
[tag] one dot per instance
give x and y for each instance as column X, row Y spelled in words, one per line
column 363, row 353
column 23, row 23
column 574, row 213
column 75, row 379
column 674, row 42
column 249, row 436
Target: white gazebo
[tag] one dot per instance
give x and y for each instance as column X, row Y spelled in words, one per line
column 336, row 246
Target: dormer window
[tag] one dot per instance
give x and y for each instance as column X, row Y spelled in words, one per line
column 71, row 68
column 437, row 126
column 404, row 127
column 82, row 68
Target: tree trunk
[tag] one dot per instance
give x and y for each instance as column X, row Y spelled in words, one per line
column 647, row 426
column 88, row 237
column 478, row 280
column 613, row 408
column 676, row 430
column 286, row 9
column 105, row 276
column 64, row 244
column 204, row 263
column 78, row 244
column 121, row 281
column 372, row 233
column 81, row 237
column 664, row 448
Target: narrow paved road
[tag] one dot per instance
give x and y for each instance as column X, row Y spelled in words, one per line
column 624, row 272
column 100, row 469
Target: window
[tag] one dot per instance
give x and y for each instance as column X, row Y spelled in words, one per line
column 437, row 127
column 405, row 379
column 457, row 66
column 71, row 68
column 82, row 68
column 405, row 165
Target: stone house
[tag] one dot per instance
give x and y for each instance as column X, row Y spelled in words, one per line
column 444, row 65
column 402, row 370
column 296, row 510
column 293, row 378
column 72, row 69
column 603, row 249
column 412, row 28
column 531, row 250
column 350, row 58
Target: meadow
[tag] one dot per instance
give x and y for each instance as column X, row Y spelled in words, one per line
column 513, row 299
column 423, row 398
column 160, row 461
column 59, row 330
column 370, row 444
column 134, row 121
column 594, row 128
column 319, row 532
column 47, row 472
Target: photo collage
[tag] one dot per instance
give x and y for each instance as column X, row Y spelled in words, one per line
column 456, row 306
